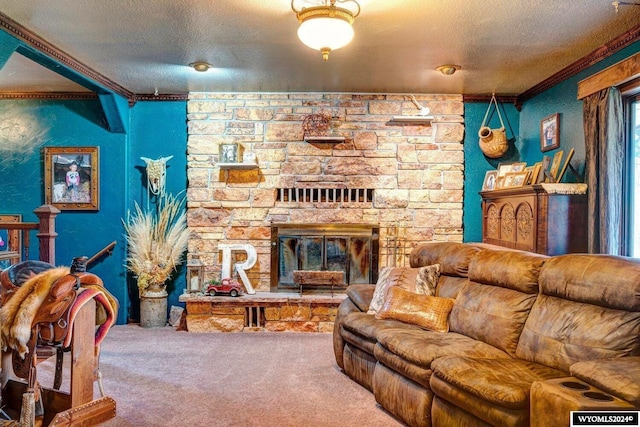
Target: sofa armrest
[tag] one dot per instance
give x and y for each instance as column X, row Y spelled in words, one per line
column 619, row 377
column 361, row 295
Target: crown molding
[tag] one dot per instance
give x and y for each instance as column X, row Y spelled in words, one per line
column 623, row 40
column 161, row 97
column 49, row 95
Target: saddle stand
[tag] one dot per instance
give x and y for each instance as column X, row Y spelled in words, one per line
column 77, row 407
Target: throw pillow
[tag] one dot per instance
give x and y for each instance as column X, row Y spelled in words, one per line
column 427, row 311
column 421, row 280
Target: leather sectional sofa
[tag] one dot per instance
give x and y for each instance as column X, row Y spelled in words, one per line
column 530, row 339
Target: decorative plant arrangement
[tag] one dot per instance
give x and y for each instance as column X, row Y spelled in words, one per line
column 157, row 240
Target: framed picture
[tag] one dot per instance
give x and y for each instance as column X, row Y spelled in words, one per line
column 518, row 167
column 566, row 164
column 228, row 153
column 489, row 180
column 10, row 242
column 550, row 132
column 504, row 168
column 544, row 169
column 499, row 182
column 555, row 165
column 519, row 178
column 71, row 177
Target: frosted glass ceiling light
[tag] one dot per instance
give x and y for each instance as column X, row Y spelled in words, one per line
column 326, row 27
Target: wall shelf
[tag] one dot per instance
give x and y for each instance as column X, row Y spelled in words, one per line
column 418, row 120
column 325, row 139
column 241, row 166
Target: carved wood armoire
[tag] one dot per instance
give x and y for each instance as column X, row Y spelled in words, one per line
column 548, row 219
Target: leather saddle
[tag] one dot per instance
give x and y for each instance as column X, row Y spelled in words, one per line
column 44, row 305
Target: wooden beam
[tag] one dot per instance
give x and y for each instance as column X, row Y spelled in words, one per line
column 615, row 75
column 114, row 109
column 8, row 45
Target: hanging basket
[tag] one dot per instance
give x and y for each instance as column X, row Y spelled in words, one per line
column 493, row 142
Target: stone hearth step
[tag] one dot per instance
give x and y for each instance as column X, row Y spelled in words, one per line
column 264, row 311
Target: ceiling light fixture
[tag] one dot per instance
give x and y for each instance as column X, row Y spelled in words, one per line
column 326, row 27
column 200, row 66
column 448, row 70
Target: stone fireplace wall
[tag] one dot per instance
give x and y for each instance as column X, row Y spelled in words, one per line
column 415, row 171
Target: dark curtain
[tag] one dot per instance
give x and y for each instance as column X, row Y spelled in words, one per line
column 605, row 151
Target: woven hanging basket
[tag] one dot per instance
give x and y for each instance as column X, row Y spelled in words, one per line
column 493, row 142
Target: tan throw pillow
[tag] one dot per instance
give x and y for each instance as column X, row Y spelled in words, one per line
column 427, row 311
column 422, row 280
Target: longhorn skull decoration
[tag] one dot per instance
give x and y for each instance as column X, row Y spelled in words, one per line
column 156, row 173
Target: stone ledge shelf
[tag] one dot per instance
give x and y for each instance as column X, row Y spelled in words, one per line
column 237, row 165
column 264, row 311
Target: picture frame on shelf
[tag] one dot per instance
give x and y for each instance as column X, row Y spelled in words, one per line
column 555, row 165
column 499, row 182
column 228, row 153
column 489, row 182
column 544, row 169
column 71, row 177
column 566, row 165
column 519, row 178
column 550, row 132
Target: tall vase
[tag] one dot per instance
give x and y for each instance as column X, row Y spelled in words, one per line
column 153, row 308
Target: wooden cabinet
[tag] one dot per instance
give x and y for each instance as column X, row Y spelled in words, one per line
column 548, row 219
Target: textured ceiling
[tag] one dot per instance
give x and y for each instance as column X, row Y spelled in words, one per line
column 145, row 45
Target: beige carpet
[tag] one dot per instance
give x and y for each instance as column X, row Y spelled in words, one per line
column 162, row 377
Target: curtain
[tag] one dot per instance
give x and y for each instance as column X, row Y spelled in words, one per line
column 605, row 151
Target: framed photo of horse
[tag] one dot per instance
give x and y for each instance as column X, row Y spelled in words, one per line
column 71, row 177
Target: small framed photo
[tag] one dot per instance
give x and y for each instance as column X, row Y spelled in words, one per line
column 228, row 153
column 567, row 162
column 71, row 177
column 499, row 182
column 504, row 168
column 544, row 169
column 550, row 132
column 518, row 166
column 555, row 165
column 489, row 180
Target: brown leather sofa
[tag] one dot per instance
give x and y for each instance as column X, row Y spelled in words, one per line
column 530, row 339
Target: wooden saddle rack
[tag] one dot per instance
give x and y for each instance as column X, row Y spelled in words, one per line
column 44, row 309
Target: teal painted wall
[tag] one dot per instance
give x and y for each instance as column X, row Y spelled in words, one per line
column 156, row 129
column 477, row 164
column 562, row 99
column 36, row 124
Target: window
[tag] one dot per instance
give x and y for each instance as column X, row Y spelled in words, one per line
column 634, row 176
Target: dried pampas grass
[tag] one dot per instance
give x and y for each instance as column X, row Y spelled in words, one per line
column 156, row 242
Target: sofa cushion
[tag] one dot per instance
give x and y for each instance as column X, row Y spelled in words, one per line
column 505, row 383
column 507, row 269
column 428, row 312
column 361, row 295
column 494, row 315
column 606, row 280
column 421, row 347
column 559, row 333
column 619, row 377
column 453, row 257
column 369, row 327
column 422, row 280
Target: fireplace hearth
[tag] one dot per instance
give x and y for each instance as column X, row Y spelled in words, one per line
column 349, row 248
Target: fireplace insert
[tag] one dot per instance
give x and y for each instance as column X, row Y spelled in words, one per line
column 351, row 248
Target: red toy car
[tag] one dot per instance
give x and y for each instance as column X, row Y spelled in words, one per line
column 227, row 286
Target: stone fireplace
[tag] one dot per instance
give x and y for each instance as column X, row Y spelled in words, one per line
column 406, row 176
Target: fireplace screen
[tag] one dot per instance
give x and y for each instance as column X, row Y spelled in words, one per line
column 332, row 247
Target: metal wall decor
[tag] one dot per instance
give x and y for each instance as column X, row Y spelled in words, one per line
column 317, row 124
